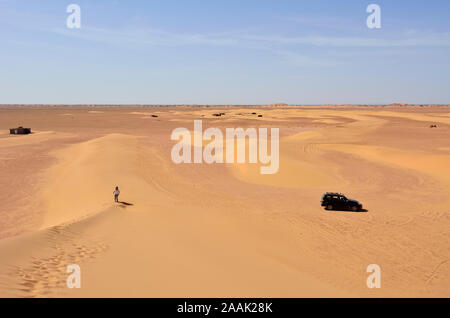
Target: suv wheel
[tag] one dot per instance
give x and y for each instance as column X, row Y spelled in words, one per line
column 329, row 207
column 354, row 208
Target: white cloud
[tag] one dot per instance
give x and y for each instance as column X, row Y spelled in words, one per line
column 148, row 36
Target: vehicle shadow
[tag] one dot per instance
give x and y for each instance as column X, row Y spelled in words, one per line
column 350, row 211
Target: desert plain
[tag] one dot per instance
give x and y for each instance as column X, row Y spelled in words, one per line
column 224, row 230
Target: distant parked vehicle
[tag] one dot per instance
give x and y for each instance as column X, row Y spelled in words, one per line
column 20, row 131
column 338, row 201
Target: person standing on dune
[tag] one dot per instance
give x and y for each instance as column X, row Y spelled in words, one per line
column 116, row 194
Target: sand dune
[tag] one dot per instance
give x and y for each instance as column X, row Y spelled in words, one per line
column 225, row 230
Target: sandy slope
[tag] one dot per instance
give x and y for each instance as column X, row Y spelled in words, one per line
column 226, row 230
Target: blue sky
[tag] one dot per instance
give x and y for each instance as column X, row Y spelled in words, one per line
column 224, row 52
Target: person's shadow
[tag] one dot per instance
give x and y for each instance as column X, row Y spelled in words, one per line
column 124, row 204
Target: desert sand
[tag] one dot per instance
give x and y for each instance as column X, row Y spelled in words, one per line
column 224, row 230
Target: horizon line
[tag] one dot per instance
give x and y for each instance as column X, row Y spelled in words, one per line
column 272, row 104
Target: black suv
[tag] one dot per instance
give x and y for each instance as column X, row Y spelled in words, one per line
column 337, row 201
